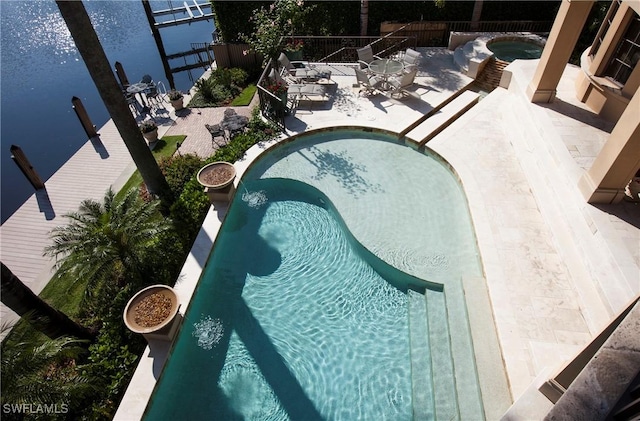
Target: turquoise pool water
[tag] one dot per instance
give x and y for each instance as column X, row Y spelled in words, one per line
column 514, row 50
column 331, row 292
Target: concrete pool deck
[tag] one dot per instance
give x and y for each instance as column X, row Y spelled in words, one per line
column 556, row 268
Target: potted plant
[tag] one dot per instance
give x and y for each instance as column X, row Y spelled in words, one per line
column 176, row 98
column 217, row 180
column 293, row 49
column 149, row 130
column 152, row 312
column 279, row 89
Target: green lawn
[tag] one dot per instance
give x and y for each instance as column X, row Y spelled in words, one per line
column 243, row 99
column 245, row 96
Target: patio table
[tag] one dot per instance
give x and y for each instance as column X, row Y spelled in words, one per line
column 234, row 124
column 386, row 67
column 139, row 88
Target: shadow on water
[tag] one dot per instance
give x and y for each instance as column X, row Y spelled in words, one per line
column 257, row 257
column 341, row 166
column 274, row 369
column 204, row 358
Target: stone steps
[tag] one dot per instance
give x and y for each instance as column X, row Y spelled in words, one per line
column 442, row 118
column 421, row 384
column 489, row 78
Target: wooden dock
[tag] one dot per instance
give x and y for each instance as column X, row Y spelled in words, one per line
column 100, row 163
column 86, row 175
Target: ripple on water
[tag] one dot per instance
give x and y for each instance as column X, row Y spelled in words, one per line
column 330, row 317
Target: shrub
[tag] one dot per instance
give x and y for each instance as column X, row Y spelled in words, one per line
column 222, row 86
column 179, row 169
column 174, row 95
column 148, row 126
column 239, row 76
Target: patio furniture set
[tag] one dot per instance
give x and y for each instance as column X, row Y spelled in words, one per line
column 231, row 125
column 151, row 95
column 391, row 76
column 303, row 81
column 307, row 82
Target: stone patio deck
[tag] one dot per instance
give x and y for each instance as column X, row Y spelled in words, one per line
column 543, row 248
column 556, row 268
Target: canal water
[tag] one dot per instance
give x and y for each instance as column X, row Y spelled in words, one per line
column 41, row 70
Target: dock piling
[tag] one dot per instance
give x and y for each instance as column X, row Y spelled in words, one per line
column 122, row 76
column 25, row 166
column 83, row 116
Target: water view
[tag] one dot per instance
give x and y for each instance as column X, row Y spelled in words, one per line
column 42, row 71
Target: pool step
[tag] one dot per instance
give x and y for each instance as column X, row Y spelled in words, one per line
column 470, row 404
column 421, row 385
column 442, row 367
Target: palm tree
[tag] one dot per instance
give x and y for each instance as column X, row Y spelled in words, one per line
column 43, row 373
column 86, row 40
column 46, row 319
column 108, row 244
column 477, row 13
column 364, row 17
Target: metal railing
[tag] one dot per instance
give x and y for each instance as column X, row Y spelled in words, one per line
column 343, row 49
column 272, row 107
column 436, row 33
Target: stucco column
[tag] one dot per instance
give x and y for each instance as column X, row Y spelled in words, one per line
column 561, row 42
column 618, row 160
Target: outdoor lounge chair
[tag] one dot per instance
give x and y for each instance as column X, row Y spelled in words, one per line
column 311, row 92
column 367, row 84
column 300, row 71
column 366, row 56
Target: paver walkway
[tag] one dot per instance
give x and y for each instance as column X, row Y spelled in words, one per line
column 192, row 124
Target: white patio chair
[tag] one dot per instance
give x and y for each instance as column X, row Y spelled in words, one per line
column 156, row 92
column 366, row 56
column 411, row 59
column 368, row 85
column 400, row 84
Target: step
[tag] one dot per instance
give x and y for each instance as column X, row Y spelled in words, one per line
column 442, row 119
column 442, row 368
column 421, row 385
column 470, row 403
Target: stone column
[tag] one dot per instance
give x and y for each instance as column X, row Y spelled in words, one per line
column 618, row 160
column 561, row 42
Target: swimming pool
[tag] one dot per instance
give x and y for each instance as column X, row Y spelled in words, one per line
column 333, row 292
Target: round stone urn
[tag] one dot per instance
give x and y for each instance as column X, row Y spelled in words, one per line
column 217, row 180
column 178, row 104
column 152, row 312
column 151, row 136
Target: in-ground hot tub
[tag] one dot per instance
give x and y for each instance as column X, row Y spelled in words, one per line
column 515, row 48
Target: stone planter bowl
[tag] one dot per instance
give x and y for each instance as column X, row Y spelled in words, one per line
column 213, row 167
column 129, row 311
